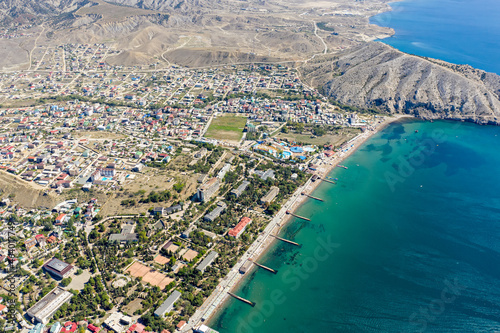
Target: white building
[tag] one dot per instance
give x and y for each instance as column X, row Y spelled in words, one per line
column 47, row 306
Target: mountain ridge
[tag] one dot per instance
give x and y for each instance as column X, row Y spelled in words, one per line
column 378, row 76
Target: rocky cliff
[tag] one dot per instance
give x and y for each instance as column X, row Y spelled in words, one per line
column 378, row 76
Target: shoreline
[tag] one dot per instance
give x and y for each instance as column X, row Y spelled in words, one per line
column 263, row 242
column 390, row 9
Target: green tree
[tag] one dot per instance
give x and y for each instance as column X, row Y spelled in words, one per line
column 65, row 282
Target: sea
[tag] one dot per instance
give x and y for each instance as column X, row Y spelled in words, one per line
column 457, row 31
column 408, row 239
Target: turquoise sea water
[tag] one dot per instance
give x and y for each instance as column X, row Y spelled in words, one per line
column 458, row 31
column 407, row 241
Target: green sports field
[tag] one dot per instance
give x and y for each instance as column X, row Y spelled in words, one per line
column 227, row 128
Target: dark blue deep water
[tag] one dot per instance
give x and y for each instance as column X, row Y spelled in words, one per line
column 458, row 31
column 407, row 241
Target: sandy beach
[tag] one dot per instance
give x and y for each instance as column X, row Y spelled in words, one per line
column 219, row 296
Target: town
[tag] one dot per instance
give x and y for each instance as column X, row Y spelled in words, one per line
column 135, row 191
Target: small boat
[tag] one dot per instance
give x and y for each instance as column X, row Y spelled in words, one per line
column 416, row 131
column 342, row 166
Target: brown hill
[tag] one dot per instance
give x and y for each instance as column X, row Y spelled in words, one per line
column 378, row 76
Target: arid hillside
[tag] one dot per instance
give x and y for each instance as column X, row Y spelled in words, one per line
column 378, row 76
column 144, row 31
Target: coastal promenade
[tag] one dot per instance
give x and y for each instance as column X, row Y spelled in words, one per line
column 220, row 294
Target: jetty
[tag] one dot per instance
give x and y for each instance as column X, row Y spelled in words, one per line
column 328, row 181
column 285, row 240
column 264, row 267
column 241, row 299
column 310, row 196
column 298, row 216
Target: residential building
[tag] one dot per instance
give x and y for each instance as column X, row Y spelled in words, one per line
column 93, row 328
column 211, row 256
column 240, row 227
column 30, row 243
column 189, row 230
column 173, row 209
column 168, row 305
column 264, row 175
column 269, row 197
column 108, row 172
column 158, row 211
column 240, row 189
column 223, row 171
column 215, row 213
column 138, row 167
column 208, row 189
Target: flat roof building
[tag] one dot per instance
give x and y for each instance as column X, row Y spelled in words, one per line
column 223, row 171
column 208, row 189
column 168, row 305
column 172, row 209
column 205, row 329
column 58, row 268
column 117, row 322
column 126, row 235
column 221, row 206
column 264, row 175
column 43, row 310
column 269, row 197
column 240, row 189
column 207, row 261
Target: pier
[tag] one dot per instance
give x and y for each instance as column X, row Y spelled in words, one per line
column 297, row 216
column 327, row 180
column 264, row 267
column 285, row 240
column 310, row 196
column 241, row 299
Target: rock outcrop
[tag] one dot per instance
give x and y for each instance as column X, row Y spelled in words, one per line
column 378, row 76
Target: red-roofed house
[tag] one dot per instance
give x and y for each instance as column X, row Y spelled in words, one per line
column 240, row 227
column 61, row 218
column 69, row 327
column 93, row 328
column 136, row 328
column 181, row 324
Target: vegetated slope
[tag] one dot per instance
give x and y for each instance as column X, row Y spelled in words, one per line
column 378, row 76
